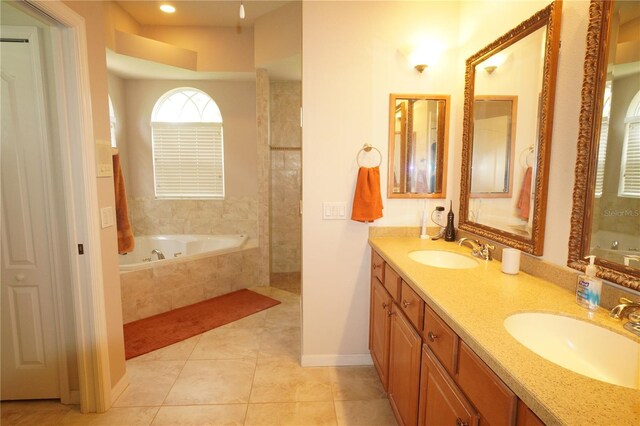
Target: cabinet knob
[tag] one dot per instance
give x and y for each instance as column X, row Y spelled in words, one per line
column 19, row 277
column 376, row 266
column 459, row 422
column 405, row 303
column 389, row 313
column 432, row 337
column 384, row 305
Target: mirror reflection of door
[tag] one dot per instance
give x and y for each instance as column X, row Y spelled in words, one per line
column 494, row 130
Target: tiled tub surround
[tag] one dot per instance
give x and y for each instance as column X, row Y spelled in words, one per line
column 162, row 288
column 233, row 215
column 475, row 302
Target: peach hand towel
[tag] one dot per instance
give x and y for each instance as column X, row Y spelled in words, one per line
column 126, row 242
column 367, row 201
column 524, row 200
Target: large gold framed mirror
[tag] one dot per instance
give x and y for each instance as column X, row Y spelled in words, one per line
column 513, row 138
column 605, row 219
column 418, row 144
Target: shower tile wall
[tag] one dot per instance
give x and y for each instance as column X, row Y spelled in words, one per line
column 234, row 215
column 286, row 231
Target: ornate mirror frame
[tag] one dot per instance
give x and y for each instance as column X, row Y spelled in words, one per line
column 550, row 18
column 595, row 69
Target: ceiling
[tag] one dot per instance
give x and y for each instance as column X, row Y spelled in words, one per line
column 215, row 13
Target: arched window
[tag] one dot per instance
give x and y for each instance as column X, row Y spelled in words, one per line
column 188, row 155
column 112, row 124
column 630, row 162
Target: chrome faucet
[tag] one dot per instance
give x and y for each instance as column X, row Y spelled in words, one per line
column 159, row 253
column 483, row 251
column 619, row 311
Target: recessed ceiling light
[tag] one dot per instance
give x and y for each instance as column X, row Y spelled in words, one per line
column 167, row 8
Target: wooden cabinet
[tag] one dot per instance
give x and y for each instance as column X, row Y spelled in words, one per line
column 432, row 377
column 379, row 329
column 493, row 399
column 441, row 401
column 404, row 368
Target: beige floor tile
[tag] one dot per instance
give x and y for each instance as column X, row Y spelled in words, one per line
column 202, row 415
column 284, row 380
column 149, row 383
column 130, row 416
column 177, row 352
column 365, row 413
column 356, row 383
column 228, row 343
column 283, row 342
column 252, row 321
column 213, row 382
column 283, row 315
column 291, row 414
column 46, row 412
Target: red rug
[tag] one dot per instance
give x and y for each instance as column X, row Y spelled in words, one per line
column 158, row 331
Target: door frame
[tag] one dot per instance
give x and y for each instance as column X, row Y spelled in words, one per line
column 80, row 201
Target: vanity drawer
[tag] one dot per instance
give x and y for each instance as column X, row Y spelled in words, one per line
column 441, row 339
column 377, row 266
column 392, row 282
column 493, row 399
column 412, row 305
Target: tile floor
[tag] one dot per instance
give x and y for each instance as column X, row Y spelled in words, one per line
column 245, row 373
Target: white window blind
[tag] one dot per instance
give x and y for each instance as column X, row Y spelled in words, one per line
column 188, row 160
column 602, row 156
column 630, row 166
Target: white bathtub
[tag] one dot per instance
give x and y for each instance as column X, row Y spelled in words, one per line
column 177, row 248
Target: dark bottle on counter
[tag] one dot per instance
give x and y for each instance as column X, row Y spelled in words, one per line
column 450, row 230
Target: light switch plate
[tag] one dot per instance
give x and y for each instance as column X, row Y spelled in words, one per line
column 334, row 210
column 106, row 217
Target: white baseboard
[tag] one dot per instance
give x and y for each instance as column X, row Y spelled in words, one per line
column 335, row 360
column 119, row 388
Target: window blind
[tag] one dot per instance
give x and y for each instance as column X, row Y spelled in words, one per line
column 602, row 156
column 630, row 167
column 188, row 160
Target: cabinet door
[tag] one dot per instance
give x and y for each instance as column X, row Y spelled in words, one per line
column 526, row 417
column 404, row 369
column 441, row 401
column 379, row 329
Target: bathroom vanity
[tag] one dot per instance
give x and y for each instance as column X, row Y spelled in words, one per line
column 438, row 342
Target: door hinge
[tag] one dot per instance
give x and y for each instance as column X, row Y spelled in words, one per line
column 80, row 249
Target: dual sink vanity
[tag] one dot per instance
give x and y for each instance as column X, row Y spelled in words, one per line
column 456, row 341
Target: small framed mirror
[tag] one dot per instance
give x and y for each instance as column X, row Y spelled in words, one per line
column 508, row 113
column 418, row 141
column 605, row 220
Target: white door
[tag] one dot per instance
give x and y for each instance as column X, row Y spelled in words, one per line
column 28, row 322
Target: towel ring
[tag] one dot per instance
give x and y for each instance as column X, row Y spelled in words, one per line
column 367, row 148
column 526, row 157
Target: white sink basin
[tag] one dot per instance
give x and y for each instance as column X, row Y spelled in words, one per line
column 443, row 259
column 579, row 346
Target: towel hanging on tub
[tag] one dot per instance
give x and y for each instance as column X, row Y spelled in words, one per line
column 367, row 201
column 126, row 243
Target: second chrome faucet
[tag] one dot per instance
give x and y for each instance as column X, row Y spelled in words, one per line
column 483, row 251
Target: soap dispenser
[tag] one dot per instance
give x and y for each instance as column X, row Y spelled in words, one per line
column 450, row 230
column 589, row 286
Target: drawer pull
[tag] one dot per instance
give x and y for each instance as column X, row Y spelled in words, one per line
column 405, row 304
column 432, row 337
column 459, row 422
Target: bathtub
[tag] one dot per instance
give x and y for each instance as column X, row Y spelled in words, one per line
column 177, row 248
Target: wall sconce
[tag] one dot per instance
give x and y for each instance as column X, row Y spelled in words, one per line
column 421, row 67
column 490, row 68
column 422, row 53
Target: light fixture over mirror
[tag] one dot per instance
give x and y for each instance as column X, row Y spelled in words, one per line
column 605, row 220
column 418, row 144
column 508, row 112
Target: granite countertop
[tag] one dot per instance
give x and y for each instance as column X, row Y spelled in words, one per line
column 475, row 302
